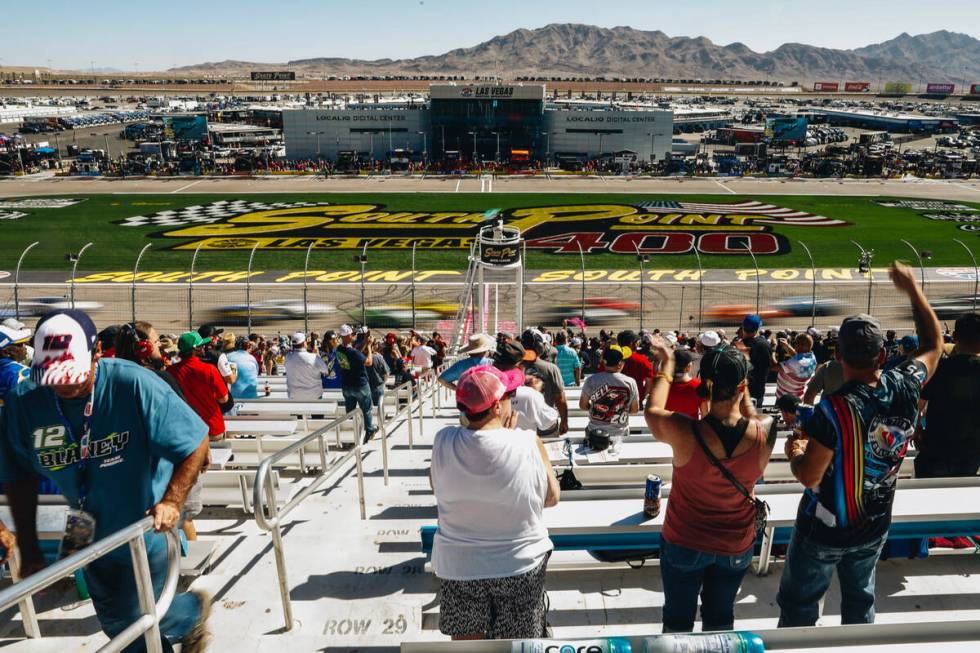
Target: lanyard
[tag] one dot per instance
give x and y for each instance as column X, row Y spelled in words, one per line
column 82, row 441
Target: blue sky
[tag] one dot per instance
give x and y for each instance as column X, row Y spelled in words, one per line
column 143, row 35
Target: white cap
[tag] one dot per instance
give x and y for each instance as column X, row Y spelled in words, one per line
column 345, row 330
column 63, row 345
column 576, row 341
column 710, row 339
column 10, row 336
column 14, row 323
column 813, row 331
column 298, row 338
column 671, row 337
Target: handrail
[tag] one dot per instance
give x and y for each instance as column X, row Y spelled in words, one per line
column 264, row 494
column 152, row 610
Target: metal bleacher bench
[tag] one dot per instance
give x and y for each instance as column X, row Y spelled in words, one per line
column 923, row 508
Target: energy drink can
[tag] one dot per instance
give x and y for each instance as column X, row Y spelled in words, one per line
column 803, row 414
column 651, row 496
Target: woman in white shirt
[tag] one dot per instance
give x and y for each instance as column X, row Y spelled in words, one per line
column 491, row 483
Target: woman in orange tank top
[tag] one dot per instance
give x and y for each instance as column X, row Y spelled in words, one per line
column 709, row 529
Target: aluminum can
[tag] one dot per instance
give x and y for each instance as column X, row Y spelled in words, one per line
column 651, row 496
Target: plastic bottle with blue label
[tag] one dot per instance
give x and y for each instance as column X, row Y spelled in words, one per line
column 713, row 643
column 610, row 645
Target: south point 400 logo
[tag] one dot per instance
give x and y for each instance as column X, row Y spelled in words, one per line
column 659, row 227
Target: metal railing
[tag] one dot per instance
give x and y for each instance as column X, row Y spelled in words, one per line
column 268, row 515
column 152, row 610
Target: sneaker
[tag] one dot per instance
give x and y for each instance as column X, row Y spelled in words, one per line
column 369, row 435
column 196, row 641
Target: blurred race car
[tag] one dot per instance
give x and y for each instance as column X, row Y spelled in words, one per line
column 39, row 306
column 732, row 314
column 599, row 311
column 399, row 316
column 950, row 308
column 273, row 310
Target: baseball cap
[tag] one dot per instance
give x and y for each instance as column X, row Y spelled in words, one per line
column 612, row 356
column 479, row 387
column 532, row 339
column 63, row 346
column 345, row 330
column 13, row 323
column 479, row 342
column 576, row 341
column 751, row 323
column 509, row 353
column 209, row 330
column 298, row 338
column 9, row 336
column 107, row 337
column 909, row 343
column 860, row 337
column 813, row 332
column 188, row 341
column 710, row 339
column 725, row 367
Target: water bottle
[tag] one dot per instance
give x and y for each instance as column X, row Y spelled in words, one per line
column 610, row 645
column 712, row 643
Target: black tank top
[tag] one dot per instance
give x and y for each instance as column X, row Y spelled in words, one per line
column 730, row 436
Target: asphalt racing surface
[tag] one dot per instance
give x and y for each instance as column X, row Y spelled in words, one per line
column 45, row 184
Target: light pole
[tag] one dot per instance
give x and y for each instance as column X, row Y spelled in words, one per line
column 697, row 257
column 413, row 283
column 581, row 255
column 813, row 294
column 864, row 267
column 362, row 259
column 496, row 158
column 976, row 271
column 642, row 258
column 547, row 148
column 306, row 272
column 190, row 291
column 425, row 149
column 132, row 296
column 317, row 134
column 74, row 270
column 474, row 144
column 758, row 279
column 17, row 278
column 248, row 286
column 919, row 256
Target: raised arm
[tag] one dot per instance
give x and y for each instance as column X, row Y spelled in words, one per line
column 926, row 323
column 665, row 425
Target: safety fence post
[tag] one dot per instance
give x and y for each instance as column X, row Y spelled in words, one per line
column 17, row 279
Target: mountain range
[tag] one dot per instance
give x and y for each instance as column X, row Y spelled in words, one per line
column 569, row 50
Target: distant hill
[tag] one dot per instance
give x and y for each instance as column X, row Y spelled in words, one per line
column 586, row 50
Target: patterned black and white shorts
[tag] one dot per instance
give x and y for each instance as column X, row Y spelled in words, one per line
column 515, row 607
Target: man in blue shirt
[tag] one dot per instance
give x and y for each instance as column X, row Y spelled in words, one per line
column 246, row 385
column 331, row 380
column 353, row 378
column 567, row 361
column 478, row 353
column 120, row 444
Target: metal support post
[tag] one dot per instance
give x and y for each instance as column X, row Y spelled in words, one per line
column 190, row 291
column 481, row 300
column 813, row 293
column 144, row 593
column 248, row 286
column 409, row 390
column 758, row 279
column 976, row 271
column 306, row 271
column 922, row 269
column 697, row 257
column 864, row 267
column 132, row 294
column 414, row 326
column 519, row 326
column 17, row 278
column 581, row 255
column 642, row 259
column 74, row 270
column 363, row 261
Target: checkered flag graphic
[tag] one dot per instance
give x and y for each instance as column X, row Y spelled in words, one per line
column 208, row 213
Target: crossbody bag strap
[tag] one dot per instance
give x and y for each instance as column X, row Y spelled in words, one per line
column 714, row 461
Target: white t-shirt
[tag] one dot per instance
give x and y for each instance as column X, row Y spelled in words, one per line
column 303, row 372
column 224, row 367
column 490, row 488
column 533, row 413
column 422, row 356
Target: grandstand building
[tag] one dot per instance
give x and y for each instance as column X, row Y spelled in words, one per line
column 484, row 122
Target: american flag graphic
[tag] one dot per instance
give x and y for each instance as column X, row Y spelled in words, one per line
column 769, row 213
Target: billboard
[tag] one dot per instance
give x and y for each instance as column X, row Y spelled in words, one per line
column 273, row 76
column 898, row 88
column 786, row 129
column 186, row 128
column 975, row 89
column 487, row 92
column 940, row 89
column 857, row 87
column 826, row 87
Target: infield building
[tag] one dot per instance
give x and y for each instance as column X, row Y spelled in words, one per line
column 484, row 122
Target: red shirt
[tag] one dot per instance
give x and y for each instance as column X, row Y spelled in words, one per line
column 638, row 368
column 202, row 386
column 683, row 398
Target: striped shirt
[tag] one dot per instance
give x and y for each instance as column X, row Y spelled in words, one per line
column 567, row 361
column 794, row 374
